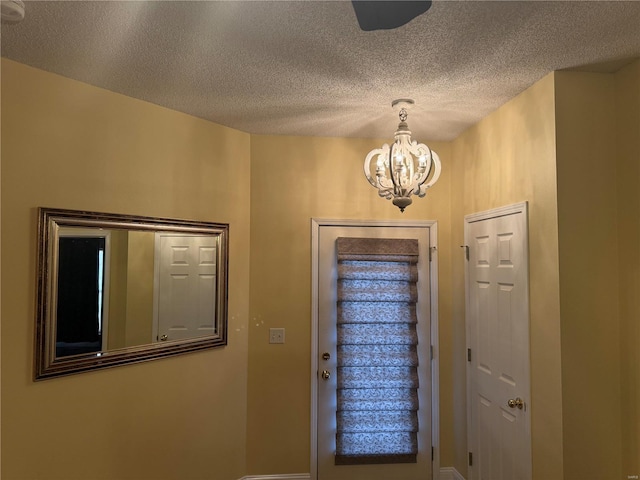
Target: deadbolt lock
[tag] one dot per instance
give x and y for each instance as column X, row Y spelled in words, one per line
column 326, row 356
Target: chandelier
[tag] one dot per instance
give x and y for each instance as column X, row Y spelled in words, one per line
column 406, row 167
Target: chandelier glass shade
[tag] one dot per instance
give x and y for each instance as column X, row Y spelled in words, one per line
column 405, row 168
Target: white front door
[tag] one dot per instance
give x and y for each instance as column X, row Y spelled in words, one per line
column 184, row 297
column 497, row 316
column 324, row 406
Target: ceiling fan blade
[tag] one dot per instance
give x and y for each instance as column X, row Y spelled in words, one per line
column 385, row 15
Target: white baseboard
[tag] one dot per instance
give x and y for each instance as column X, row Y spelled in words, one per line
column 450, row 473
column 446, row 473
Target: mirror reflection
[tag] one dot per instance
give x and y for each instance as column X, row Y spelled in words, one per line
column 115, row 289
column 81, row 290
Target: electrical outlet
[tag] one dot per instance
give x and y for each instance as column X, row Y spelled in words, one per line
column 276, row 335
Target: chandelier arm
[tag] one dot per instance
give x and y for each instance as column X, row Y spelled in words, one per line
column 385, row 193
column 416, row 151
column 393, row 178
column 428, row 166
column 416, row 178
column 385, row 188
column 437, row 169
column 367, row 166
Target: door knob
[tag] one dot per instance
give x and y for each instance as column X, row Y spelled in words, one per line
column 326, row 374
column 164, row 338
column 516, row 402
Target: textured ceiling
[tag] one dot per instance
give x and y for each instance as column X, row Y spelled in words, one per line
column 305, row 68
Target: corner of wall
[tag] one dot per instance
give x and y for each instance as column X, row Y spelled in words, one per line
column 627, row 93
column 588, row 267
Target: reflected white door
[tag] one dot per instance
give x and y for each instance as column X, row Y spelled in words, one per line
column 184, row 297
column 498, row 340
column 326, row 351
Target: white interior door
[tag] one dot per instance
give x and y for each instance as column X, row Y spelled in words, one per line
column 497, row 315
column 184, row 297
column 325, row 388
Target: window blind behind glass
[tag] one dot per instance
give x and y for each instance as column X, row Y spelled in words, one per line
column 377, row 378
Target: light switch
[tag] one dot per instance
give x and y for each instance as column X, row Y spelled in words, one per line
column 276, row 335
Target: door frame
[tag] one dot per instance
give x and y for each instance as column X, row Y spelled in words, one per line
column 513, row 209
column 432, row 225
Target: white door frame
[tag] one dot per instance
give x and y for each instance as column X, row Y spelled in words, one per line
column 517, row 208
column 435, row 392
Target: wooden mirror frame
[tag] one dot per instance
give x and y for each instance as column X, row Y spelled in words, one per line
column 50, row 220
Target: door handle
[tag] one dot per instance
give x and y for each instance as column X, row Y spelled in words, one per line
column 516, row 402
column 164, row 338
column 326, row 374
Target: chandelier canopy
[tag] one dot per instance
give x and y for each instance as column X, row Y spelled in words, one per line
column 406, row 167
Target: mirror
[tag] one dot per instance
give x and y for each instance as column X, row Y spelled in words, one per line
column 115, row 289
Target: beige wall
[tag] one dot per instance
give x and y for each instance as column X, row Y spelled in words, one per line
column 69, row 145
column 293, row 180
column 510, row 157
column 588, row 246
column 140, row 278
column 130, row 315
column 627, row 92
column 599, row 208
column 117, row 321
